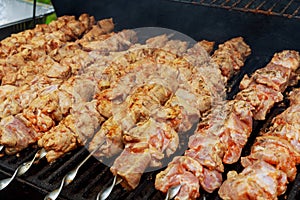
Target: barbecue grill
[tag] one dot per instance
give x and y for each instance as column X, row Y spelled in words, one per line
column 267, row 26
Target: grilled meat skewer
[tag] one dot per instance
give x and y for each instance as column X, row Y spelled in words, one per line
column 272, row 161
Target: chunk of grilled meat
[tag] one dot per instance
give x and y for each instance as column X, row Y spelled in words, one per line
column 72, row 131
column 230, row 56
column 258, row 181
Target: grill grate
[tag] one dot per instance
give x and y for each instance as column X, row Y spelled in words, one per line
column 94, row 176
column 284, row 8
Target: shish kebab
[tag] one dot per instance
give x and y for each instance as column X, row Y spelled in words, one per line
column 231, row 56
column 220, row 138
column 272, row 162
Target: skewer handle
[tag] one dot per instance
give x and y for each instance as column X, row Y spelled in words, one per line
column 106, row 193
column 22, row 169
column 69, row 177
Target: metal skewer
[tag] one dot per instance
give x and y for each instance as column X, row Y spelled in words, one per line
column 23, row 168
column 172, row 192
column 103, row 195
column 69, row 177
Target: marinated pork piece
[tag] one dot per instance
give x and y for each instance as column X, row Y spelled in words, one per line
column 6, row 90
column 111, row 133
column 116, row 42
column 286, row 126
column 237, row 129
column 17, row 100
column 184, row 171
column 157, row 42
column 230, row 56
column 97, row 31
column 258, row 181
column 294, row 96
column 207, row 152
column 72, row 131
column 207, row 45
column 261, row 97
column 158, row 137
column 276, row 152
column 16, row 133
column 273, row 76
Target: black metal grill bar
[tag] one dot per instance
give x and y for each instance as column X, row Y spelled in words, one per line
column 290, row 8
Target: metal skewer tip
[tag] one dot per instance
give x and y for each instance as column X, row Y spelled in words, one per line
column 172, row 192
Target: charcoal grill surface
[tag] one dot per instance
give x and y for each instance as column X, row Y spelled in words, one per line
column 266, row 34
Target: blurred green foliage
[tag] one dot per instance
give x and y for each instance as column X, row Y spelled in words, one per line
column 51, row 17
column 44, row 1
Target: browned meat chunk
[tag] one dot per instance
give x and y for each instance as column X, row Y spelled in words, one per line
column 261, row 98
column 183, row 171
column 258, row 181
column 231, row 55
column 130, row 166
column 276, row 152
column 16, row 134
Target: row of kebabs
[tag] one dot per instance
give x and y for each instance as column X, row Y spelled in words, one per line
column 272, row 162
column 220, row 138
column 62, row 111
column 116, row 97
